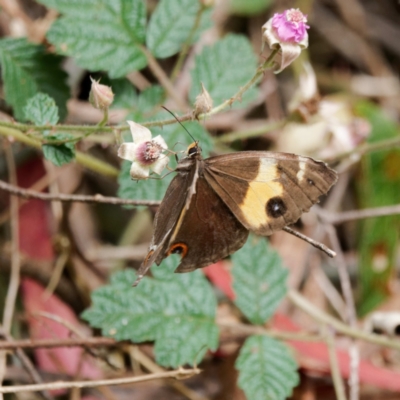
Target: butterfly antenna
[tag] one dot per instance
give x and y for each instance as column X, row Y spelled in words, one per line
column 166, row 109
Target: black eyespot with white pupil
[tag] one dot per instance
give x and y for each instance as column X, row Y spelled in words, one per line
column 275, row 207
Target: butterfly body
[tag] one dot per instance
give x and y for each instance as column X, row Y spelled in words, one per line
column 211, row 204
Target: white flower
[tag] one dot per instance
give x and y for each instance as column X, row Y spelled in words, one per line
column 145, row 152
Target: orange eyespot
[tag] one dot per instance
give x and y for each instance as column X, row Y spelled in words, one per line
column 178, row 248
column 146, row 260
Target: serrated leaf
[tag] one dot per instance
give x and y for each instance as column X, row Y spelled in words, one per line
column 170, row 26
column 59, row 154
column 223, row 68
column 177, row 313
column 41, row 110
column 141, row 106
column 154, row 189
column 100, row 34
column 259, row 280
column 125, row 95
column 267, row 370
column 27, row 70
column 150, row 98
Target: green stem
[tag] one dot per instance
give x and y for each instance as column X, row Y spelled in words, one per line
column 83, row 159
column 187, row 44
column 66, row 128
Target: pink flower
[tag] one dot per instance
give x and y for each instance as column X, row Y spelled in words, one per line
column 290, row 26
column 145, row 152
column 288, row 33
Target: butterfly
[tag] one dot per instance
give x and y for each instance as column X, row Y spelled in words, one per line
column 212, row 204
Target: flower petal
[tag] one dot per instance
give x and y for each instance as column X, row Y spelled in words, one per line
column 159, row 165
column 127, row 151
column 269, row 35
column 139, row 133
column 160, row 140
column 139, row 171
column 290, row 51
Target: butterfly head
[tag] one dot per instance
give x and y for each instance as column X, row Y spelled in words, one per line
column 194, row 150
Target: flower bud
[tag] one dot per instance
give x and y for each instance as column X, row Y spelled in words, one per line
column 100, row 96
column 287, row 32
column 203, row 103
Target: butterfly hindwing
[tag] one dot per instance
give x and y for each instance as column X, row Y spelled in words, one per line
column 208, row 231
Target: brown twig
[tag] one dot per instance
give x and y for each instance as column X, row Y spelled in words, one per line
column 27, row 193
column 177, row 374
column 318, row 245
column 151, row 366
column 163, row 79
column 51, row 343
column 29, row 367
column 333, row 361
column 11, row 297
column 345, row 216
column 15, row 255
column 302, row 303
column 350, row 310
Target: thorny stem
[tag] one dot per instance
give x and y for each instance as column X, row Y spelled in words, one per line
column 170, row 90
column 259, row 73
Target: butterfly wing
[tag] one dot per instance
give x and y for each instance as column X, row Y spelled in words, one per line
column 267, row 191
column 193, row 221
column 209, row 231
column 166, row 219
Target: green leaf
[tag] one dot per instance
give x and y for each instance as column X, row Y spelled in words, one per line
column 27, row 70
column 377, row 182
column 154, row 189
column 100, row 34
column 41, row 110
column 125, row 95
column 177, row 313
column 59, row 154
column 170, row 26
column 223, row 68
column 249, row 7
column 150, row 98
column 141, row 107
column 267, row 370
column 259, row 280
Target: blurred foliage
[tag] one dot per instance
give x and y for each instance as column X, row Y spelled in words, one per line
column 378, row 185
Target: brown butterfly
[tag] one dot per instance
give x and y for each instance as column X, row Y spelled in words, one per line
column 211, row 204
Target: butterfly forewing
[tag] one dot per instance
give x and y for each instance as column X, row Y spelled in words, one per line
column 267, row 191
